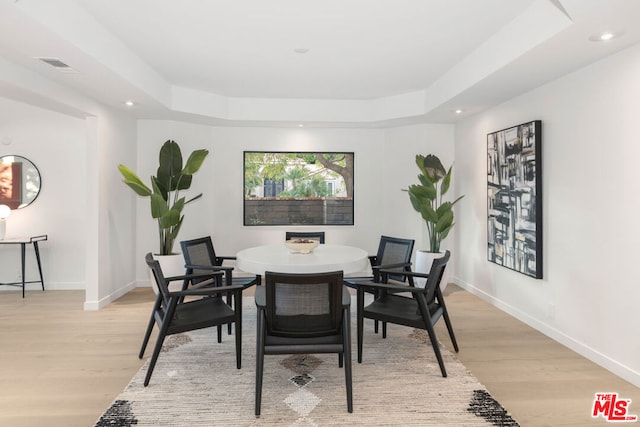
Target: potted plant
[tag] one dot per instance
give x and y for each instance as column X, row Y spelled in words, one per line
column 428, row 199
column 166, row 200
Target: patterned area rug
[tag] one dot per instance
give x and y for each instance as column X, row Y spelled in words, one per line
column 195, row 383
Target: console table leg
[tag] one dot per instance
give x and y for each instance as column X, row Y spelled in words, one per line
column 22, row 251
column 37, row 250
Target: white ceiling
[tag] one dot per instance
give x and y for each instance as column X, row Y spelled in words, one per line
column 368, row 62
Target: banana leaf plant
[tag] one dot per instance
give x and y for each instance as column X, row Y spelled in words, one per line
column 428, row 199
column 166, row 202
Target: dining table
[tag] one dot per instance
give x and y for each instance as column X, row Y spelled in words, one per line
column 324, row 258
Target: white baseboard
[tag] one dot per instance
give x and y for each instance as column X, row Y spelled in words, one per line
column 582, row 349
column 103, row 302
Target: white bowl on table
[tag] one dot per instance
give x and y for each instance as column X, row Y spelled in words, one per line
column 302, row 246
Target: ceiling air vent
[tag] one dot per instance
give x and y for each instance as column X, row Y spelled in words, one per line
column 58, row 65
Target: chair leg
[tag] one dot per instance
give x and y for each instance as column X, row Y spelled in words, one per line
column 152, row 322
column 154, row 356
column 259, row 360
column 145, row 341
column 436, row 347
column 229, row 303
column 384, row 329
column 347, row 358
column 447, row 322
column 360, row 323
column 376, row 294
column 219, row 334
column 238, row 322
column 162, row 333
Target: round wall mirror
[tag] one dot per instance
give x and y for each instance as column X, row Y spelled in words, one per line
column 19, row 181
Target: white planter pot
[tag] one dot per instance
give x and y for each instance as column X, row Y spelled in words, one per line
column 423, row 263
column 172, row 265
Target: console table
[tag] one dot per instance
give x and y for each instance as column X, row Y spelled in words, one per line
column 23, row 242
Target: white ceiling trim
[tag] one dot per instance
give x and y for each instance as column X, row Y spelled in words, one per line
column 110, row 72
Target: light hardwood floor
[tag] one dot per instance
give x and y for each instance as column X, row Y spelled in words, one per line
column 62, row 366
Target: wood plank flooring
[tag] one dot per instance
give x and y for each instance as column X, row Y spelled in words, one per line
column 62, row 366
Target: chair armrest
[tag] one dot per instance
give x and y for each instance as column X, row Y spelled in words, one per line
column 221, row 259
column 194, row 276
column 209, row 267
column 396, row 265
column 207, row 291
column 346, row 297
column 390, row 287
column 401, row 268
column 405, row 273
column 261, row 296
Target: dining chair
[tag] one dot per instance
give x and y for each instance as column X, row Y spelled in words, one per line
column 200, row 257
column 190, row 309
column 394, row 254
column 312, row 235
column 303, row 314
column 420, row 309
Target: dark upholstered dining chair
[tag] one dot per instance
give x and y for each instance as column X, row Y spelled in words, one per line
column 311, row 235
column 394, row 253
column 303, row 314
column 191, row 308
column 408, row 305
column 200, row 257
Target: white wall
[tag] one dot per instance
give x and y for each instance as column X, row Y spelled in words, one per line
column 55, row 143
column 110, row 238
column 384, row 163
column 86, row 212
column 589, row 294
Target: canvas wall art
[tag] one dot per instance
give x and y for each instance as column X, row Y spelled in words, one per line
column 514, row 198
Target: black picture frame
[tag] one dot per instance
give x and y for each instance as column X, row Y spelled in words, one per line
column 298, row 188
column 514, row 198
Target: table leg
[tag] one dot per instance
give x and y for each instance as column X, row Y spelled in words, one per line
column 22, row 251
column 37, row 250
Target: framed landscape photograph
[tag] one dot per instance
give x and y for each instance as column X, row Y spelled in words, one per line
column 514, row 198
column 298, row 188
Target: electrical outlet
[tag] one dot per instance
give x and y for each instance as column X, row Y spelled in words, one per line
column 551, row 311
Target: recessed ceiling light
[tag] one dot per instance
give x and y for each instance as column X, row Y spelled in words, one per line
column 301, row 50
column 605, row 36
column 458, row 111
column 300, row 125
column 129, row 103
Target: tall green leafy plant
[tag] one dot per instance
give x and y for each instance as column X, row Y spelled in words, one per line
column 428, row 199
column 166, row 202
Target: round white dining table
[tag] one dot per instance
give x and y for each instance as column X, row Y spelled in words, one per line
column 324, row 258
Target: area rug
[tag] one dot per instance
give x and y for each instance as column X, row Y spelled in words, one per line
column 196, row 383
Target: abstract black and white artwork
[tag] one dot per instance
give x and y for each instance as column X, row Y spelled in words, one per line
column 514, row 198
